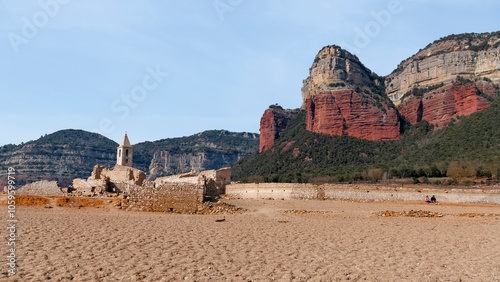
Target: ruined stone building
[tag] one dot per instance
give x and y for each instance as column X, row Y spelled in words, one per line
column 184, row 193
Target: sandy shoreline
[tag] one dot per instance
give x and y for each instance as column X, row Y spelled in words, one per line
column 335, row 240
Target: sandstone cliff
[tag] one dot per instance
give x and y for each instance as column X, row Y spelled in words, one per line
column 343, row 97
column 335, row 69
column 468, row 55
column 349, row 113
column 447, row 103
column 272, row 123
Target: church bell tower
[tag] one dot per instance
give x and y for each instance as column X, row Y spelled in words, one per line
column 124, row 152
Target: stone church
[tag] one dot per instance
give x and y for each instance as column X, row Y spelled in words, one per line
column 124, row 153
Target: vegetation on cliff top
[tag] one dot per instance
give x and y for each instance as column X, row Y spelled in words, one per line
column 476, row 42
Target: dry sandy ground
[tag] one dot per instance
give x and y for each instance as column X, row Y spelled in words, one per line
column 348, row 241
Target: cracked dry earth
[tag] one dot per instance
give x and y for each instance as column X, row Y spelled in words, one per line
column 294, row 240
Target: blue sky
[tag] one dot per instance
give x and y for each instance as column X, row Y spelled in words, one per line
column 160, row 69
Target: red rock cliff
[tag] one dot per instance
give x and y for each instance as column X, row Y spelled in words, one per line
column 469, row 55
column 349, row 113
column 441, row 105
column 272, row 123
column 343, row 97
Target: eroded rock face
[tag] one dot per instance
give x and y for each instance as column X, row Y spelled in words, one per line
column 349, row 113
column 444, row 104
column 272, row 123
column 334, row 69
column 444, row 60
column 208, row 150
column 343, row 97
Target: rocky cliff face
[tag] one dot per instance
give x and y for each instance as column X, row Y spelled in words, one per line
column 166, row 163
column 343, row 97
column 445, row 104
column 454, row 76
column 468, row 55
column 349, row 113
column 208, row 150
column 335, row 69
column 272, row 123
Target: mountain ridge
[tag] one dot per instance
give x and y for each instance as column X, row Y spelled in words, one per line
column 452, row 77
column 67, row 154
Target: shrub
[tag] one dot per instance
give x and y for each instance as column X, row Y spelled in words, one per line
column 375, row 174
column 456, row 171
column 395, row 173
column 480, row 172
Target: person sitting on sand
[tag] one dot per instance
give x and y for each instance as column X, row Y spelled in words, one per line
column 433, row 199
column 427, row 199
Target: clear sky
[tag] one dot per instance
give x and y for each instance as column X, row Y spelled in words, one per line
column 168, row 68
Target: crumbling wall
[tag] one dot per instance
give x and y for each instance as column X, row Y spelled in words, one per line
column 96, row 172
column 223, row 178
column 189, row 177
column 119, row 179
column 90, row 187
column 216, row 181
column 167, row 197
column 121, row 174
column 41, row 188
column 178, row 193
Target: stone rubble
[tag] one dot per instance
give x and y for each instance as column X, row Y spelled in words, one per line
column 306, row 212
column 478, row 214
column 219, row 208
column 411, row 213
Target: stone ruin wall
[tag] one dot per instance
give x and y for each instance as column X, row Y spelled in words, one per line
column 104, row 181
column 214, row 181
column 179, row 193
column 362, row 193
column 167, row 197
